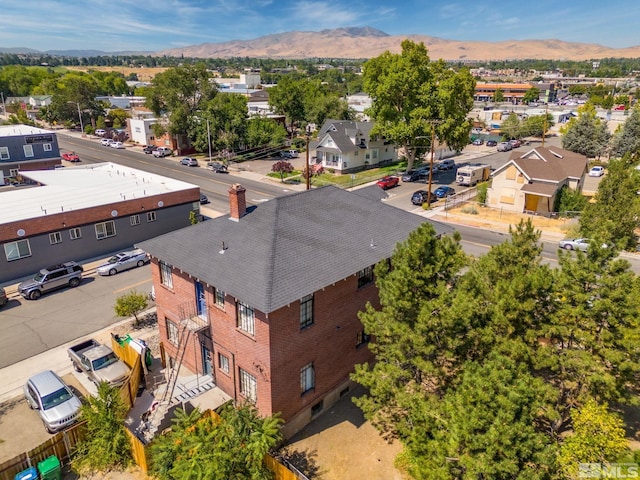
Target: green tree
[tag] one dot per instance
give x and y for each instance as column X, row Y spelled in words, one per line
column 119, row 117
column 531, row 95
column 612, row 217
column 287, row 98
column 232, row 447
column 282, row 168
column 570, row 200
column 511, row 126
column 227, row 117
column 536, row 125
column 586, row 134
column 627, row 139
column 106, row 445
column 412, row 98
column 498, row 95
column 265, row 131
column 131, row 304
column 598, row 437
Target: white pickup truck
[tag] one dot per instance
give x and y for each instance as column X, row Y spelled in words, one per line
column 98, row 362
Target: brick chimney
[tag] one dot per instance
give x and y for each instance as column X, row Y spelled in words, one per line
column 237, row 202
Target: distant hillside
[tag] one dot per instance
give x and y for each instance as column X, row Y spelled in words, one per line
column 369, row 42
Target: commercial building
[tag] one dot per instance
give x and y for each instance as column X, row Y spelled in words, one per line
column 76, row 213
column 23, row 148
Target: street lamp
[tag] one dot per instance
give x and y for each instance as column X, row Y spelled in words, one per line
column 307, row 134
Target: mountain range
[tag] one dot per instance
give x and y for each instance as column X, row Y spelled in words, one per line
column 368, row 42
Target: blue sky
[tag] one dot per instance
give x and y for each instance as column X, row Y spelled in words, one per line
column 152, row 25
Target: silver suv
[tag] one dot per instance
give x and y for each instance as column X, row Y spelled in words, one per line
column 67, row 274
column 162, row 152
column 57, row 405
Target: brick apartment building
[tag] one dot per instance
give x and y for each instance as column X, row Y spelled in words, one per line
column 80, row 212
column 269, row 297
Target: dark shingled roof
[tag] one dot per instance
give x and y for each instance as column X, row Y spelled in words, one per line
column 288, row 247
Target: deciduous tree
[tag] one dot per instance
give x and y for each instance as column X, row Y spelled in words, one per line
column 282, row 168
column 131, row 304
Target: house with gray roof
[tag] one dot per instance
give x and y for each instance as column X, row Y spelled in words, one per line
column 271, row 295
column 531, row 181
column 348, row 146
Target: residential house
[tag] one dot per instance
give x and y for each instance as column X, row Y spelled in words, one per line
column 269, row 296
column 85, row 211
column 347, row 146
column 531, row 181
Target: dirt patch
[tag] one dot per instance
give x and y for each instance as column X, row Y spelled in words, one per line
column 144, row 74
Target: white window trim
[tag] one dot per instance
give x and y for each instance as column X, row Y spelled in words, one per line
column 134, row 220
column 47, row 147
column 55, row 238
column 4, row 153
column 28, row 151
column 75, row 233
column 307, row 378
column 223, row 363
column 151, row 216
column 105, row 234
column 7, row 247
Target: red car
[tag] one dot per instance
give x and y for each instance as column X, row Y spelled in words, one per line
column 71, row 157
column 388, row 182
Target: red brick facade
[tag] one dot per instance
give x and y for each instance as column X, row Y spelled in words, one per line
column 279, row 348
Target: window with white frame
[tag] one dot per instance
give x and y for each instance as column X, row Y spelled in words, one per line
column 307, row 378
column 75, row 233
column 28, row 151
column 365, row 276
column 306, row 311
column 14, row 172
column 223, row 362
column 165, row 274
column 4, row 154
column 246, row 318
column 47, row 147
column 134, row 220
column 219, row 297
column 172, row 331
column 55, row 237
column 248, row 385
column 151, row 216
column 17, row 250
column 105, row 229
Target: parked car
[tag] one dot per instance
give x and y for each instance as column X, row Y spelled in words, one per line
column 575, row 244
column 421, row 196
column 162, row 152
column 68, row 274
column 444, row 191
column 504, row 147
column 189, row 162
column 414, row 175
column 100, row 132
column 478, row 141
column 117, row 145
column 388, row 182
column 70, row 157
column 149, row 149
column 447, row 164
column 491, row 143
column 123, row 261
column 217, row 167
column 55, row 402
column 203, row 199
column 106, row 142
column 515, row 143
column 596, row 171
column 3, row 297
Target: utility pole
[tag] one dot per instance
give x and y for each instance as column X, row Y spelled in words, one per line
column 209, row 139
column 307, row 134
column 80, row 117
column 544, row 126
column 433, row 142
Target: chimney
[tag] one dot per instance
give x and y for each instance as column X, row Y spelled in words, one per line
column 237, row 202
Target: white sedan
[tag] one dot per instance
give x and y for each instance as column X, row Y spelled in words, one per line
column 596, row 171
column 117, row 145
column 123, row 261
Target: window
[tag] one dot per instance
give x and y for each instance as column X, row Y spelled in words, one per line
column 306, row 311
column 55, row 237
column 219, row 297
column 316, row 409
column 248, row 385
column 361, row 338
column 134, row 220
column 14, row 172
column 165, row 274
column 4, row 153
column 17, row 250
column 151, row 216
column 307, row 378
column 246, row 318
column 105, row 229
column 47, row 147
column 365, row 277
column 172, row 331
column 75, row 233
column 28, row 150
column 223, row 363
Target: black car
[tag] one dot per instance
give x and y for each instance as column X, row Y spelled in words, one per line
column 203, row 199
column 444, row 191
column 217, row 167
column 421, row 173
column 491, row 143
column 420, row 196
column 149, row 148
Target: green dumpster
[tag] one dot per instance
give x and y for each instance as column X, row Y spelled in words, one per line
column 50, row 469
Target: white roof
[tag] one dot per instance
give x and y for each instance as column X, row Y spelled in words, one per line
column 79, row 187
column 17, row 130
